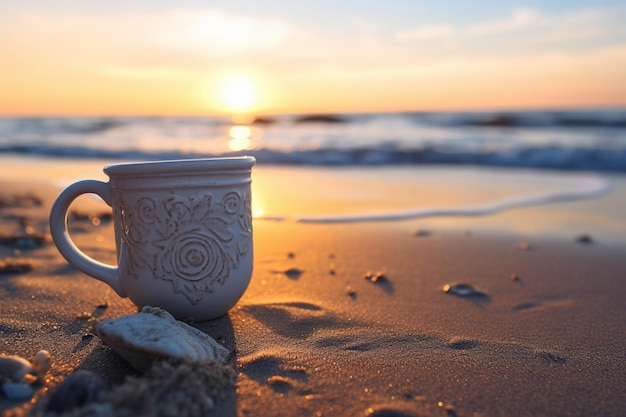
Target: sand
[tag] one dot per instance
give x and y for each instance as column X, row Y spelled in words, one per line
column 313, row 336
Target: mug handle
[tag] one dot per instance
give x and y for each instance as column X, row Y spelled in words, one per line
column 63, row 241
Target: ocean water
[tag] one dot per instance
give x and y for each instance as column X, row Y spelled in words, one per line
column 471, row 170
column 592, row 140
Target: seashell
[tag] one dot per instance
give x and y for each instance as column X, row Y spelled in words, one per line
column 15, row 369
column 17, row 390
column 154, row 334
column 17, row 375
column 80, row 388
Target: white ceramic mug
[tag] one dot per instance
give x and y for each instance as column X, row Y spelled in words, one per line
column 183, row 232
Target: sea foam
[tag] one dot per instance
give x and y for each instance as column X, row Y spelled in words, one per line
column 579, row 188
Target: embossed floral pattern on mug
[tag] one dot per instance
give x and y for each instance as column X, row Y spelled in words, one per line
column 194, row 246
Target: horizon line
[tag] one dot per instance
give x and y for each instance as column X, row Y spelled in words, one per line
column 503, row 109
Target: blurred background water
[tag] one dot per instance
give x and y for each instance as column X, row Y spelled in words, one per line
column 592, row 140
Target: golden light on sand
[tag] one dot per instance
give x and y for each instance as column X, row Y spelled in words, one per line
column 238, row 93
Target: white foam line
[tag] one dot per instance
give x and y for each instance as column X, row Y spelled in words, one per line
column 586, row 188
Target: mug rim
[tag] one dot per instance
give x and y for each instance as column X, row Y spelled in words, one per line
column 178, row 165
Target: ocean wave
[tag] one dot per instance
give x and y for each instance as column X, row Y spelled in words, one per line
column 530, row 119
column 543, row 157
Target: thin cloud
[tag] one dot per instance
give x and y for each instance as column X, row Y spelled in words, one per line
column 206, row 32
column 520, row 19
column 142, row 72
column 587, row 23
column 215, row 32
column 426, row 33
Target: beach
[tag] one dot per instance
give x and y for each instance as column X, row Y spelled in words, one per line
column 351, row 318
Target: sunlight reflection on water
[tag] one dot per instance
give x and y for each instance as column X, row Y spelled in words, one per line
column 243, row 137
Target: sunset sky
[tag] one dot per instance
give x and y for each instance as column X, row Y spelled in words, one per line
column 153, row 57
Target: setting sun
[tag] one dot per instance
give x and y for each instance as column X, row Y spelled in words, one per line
column 238, row 93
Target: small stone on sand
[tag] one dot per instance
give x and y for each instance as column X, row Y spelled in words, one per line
column 351, row 292
column 375, row 277
column 293, row 273
column 103, row 306
column 27, row 200
column 585, row 239
column 463, row 290
column 83, row 316
column 18, row 391
column 421, row 233
column 25, row 242
column 19, row 376
column 15, row 266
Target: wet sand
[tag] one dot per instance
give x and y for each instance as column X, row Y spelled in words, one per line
column 315, row 334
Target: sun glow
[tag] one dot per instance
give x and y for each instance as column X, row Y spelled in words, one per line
column 237, row 93
column 257, row 211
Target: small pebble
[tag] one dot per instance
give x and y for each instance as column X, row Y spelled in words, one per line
column 351, row 292
column 77, row 390
column 42, row 362
column 515, row 277
column 524, row 245
column 586, row 239
column 293, row 273
column 462, row 344
column 291, row 255
column 421, row 233
column 449, row 410
column 18, row 376
column 18, row 391
column 103, row 306
column 388, row 411
column 15, row 266
column 29, row 241
column 462, row 290
column 375, row 277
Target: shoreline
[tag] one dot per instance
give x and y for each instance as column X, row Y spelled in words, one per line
column 451, row 193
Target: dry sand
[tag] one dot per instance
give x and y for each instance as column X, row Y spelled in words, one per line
column 312, row 337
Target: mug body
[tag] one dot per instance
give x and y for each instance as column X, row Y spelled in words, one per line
column 183, row 233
